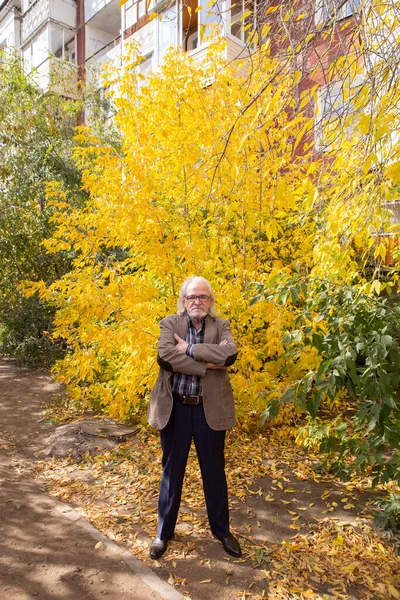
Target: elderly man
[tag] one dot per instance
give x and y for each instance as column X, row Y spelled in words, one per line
column 193, row 398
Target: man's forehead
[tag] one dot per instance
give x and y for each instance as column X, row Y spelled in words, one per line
column 200, row 287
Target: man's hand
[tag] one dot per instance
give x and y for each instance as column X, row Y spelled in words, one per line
column 181, row 345
column 223, row 343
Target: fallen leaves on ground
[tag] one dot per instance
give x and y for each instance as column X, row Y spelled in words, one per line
column 321, row 550
column 338, row 558
column 7, row 440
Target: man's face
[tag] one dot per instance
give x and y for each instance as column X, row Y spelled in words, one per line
column 196, row 304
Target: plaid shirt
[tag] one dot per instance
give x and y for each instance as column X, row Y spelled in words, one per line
column 190, row 385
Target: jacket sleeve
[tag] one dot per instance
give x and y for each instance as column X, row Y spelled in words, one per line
column 216, row 354
column 170, row 359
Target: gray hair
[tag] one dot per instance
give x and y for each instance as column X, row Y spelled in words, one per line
column 182, row 294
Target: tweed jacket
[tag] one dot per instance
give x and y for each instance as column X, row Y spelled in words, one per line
column 218, row 401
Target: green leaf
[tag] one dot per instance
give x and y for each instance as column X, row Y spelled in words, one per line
column 314, row 403
column 386, row 340
column 288, row 396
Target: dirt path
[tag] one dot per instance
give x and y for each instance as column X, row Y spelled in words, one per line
column 302, row 535
column 47, row 550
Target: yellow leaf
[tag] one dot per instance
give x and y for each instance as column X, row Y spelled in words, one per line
column 339, row 541
column 350, row 568
column 318, row 569
column 280, row 190
column 297, row 77
column 393, row 171
column 98, row 545
column 392, row 590
column 364, row 123
column 206, row 581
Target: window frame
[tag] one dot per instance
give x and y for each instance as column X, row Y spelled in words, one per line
column 337, row 10
column 340, row 91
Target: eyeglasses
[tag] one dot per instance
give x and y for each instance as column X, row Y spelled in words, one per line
column 202, row 298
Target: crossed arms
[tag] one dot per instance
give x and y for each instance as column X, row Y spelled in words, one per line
column 172, row 356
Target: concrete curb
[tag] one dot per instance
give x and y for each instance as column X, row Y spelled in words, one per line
column 145, row 574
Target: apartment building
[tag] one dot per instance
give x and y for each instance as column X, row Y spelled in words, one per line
column 43, row 33
column 87, row 33
column 67, row 40
column 64, row 40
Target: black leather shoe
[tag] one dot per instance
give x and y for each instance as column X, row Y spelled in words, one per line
column 231, row 545
column 157, row 548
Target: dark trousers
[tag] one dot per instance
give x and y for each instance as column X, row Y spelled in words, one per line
column 187, row 422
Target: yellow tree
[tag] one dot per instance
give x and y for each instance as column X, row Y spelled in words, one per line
column 216, row 176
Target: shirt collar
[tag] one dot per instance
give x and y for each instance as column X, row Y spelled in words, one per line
column 190, row 324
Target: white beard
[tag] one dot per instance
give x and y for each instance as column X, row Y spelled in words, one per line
column 197, row 313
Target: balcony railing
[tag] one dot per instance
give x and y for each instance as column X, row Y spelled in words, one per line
column 109, row 52
column 58, row 76
column 234, row 50
column 61, row 11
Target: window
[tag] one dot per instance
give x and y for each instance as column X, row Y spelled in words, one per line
column 336, row 9
column 192, row 41
column 130, row 13
column 242, row 19
column 142, row 8
column 144, row 69
column 37, row 52
column 394, row 207
column 335, row 102
column 166, row 32
column 211, row 18
column 51, row 41
column 331, row 101
column 136, row 9
column 62, row 43
column 106, row 102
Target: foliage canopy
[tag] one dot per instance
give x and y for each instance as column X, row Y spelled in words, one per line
column 217, row 175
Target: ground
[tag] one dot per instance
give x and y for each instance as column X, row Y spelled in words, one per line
column 303, row 535
column 47, row 551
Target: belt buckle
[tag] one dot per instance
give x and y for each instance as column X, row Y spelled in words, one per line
column 192, row 400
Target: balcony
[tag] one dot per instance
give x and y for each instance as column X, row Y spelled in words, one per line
column 60, row 11
column 104, row 15
column 234, row 50
column 57, row 76
column 188, row 25
column 111, row 52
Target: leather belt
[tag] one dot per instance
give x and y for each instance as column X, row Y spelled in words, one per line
column 187, row 399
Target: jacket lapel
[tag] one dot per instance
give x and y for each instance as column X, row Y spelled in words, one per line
column 211, row 331
column 181, row 327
